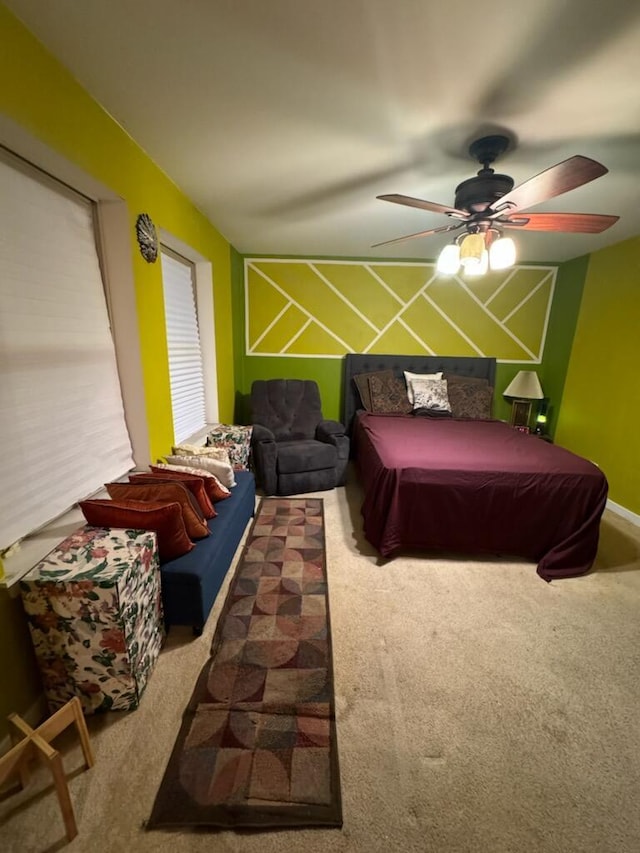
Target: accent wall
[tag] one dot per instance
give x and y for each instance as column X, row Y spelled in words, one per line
column 301, row 316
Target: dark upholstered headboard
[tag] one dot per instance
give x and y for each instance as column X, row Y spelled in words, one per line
column 354, row 363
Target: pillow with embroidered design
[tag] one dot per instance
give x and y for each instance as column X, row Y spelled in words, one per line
column 220, row 453
column 388, row 396
column 215, row 489
column 409, row 378
column 431, row 394
column 222, row 470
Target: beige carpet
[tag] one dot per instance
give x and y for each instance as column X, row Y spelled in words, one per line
column 479, row 709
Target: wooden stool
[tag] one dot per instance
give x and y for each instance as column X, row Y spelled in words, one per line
column 30, row 742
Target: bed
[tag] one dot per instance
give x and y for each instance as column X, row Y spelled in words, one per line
column 469, row 485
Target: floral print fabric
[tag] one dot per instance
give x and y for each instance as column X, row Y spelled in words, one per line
column 431, row 394
column 95, row 617
column 236, row 440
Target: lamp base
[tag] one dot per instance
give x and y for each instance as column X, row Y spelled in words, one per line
column 520, row 413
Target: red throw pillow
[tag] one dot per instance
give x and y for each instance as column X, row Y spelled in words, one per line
column 165, row 519
column 164, row 493
column 193, row 483
column 215, row 489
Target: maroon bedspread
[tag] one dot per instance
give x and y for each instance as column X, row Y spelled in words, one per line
column 477, row 487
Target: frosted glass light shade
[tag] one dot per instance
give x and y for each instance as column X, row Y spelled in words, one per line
column 525, row 385
column 502, row 253
column 477, row 266
column 471, row 248
column 449, row 260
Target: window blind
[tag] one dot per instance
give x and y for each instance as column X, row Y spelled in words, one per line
column 62, row 426
column 183, row 344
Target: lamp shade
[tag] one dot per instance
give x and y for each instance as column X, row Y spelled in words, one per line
column 449, row 260
column 477, row 267
column 502, row 253
column 471, row 249
column 525, row 385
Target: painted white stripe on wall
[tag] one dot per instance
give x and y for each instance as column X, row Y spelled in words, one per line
column 533, row 357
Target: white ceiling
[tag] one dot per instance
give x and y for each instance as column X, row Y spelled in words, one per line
column 283, row 119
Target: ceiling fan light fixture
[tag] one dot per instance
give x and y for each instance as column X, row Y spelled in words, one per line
column 471, row 249
column 449, row 259
column 477, row 266
column 502, row 253
column 489, row 201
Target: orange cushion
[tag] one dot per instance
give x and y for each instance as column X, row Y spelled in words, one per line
column 215, row 489
column 193, row 483
column 164, row 492
column 163, row 518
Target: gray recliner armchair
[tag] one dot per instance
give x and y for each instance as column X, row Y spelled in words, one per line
column 294, row 449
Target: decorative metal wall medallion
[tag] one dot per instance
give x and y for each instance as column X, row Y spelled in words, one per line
column 147, row 237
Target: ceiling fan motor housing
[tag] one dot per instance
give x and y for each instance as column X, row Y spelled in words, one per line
column 476, row 194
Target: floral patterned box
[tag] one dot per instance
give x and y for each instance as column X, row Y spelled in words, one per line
column 95, row 616
column 234, row 439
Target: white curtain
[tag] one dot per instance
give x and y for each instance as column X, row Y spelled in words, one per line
column 62, row 426
column 183, row 343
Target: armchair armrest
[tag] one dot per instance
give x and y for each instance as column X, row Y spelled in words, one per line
column 264, row 453
column 326, row 429
column 333, row 432
column 261, row 433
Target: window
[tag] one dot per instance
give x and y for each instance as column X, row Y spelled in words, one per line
column 183, row 344
column 62, row 424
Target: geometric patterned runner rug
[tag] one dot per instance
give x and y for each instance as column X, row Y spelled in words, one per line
column 257, row 746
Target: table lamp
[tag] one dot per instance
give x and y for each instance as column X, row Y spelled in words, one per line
column 523, row 389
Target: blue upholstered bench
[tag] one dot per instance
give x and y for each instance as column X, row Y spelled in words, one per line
column 191, row 583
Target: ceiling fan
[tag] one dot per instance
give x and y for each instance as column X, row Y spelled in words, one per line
column 488, row 203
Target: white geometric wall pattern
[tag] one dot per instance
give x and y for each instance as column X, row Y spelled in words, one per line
column 324, row 309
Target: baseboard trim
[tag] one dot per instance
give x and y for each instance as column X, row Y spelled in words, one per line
column 633, row 517
column 33, row 716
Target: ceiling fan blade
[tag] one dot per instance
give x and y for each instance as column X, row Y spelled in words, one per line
column 567, row 175
column 578, row 223
column 424, row 205
column 419, row 234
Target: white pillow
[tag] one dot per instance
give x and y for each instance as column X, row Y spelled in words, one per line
column 431, row 394
column 222, row 470
column 410, row 377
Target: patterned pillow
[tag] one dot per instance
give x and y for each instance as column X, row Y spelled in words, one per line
column 222, row 470
column 456, row 378
column 164, row 492
column 163, row 518
column 471, row 400
column 215, row 489
column 196, row 450
column 194, row 483
column 361, row 381
column 388, row 396
column 235, row 441
column 431, row 394
column 411, row 377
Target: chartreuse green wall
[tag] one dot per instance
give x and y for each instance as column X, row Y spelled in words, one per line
column 296, row 317
column 601, row 404
column 41, row 96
